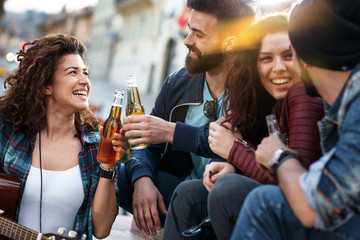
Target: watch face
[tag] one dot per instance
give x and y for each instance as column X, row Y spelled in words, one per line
column 275, row 157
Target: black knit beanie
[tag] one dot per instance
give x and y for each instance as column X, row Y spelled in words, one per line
column 326, row 33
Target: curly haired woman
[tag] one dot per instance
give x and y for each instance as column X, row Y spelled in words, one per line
column 49, row 143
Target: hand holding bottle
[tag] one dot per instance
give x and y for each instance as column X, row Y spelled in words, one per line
column 112, row 125
column 149, row 129
column 133, row 106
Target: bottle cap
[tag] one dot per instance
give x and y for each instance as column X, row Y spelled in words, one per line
column 118, row 97
column 131, row 81
column 119, row 93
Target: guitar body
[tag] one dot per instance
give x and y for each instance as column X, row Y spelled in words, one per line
column 9, row 192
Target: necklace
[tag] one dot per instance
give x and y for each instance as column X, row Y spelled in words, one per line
column 41, row 178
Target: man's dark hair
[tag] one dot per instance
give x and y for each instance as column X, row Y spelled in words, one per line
column 224, row 9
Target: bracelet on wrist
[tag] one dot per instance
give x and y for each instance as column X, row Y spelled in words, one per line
column 279, row 157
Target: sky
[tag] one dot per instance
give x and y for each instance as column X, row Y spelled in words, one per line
column 48, row 6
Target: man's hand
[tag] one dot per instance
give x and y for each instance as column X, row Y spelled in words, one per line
column 214, row 171
column 221, row 139
column 266, row 149
column 149, row 130
column 1, row 212
column 146, row 201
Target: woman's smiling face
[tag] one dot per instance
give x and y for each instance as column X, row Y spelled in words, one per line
column 275, row 64
column 70, row 90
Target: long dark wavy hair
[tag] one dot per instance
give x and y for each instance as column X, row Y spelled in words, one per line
column 246, row 100
column 24, row 102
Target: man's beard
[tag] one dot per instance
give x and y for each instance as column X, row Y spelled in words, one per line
column 309, row 86
column 204, row 63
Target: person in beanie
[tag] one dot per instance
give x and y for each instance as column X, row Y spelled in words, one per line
column 323, row 202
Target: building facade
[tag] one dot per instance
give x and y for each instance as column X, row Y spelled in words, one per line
column 140, row 37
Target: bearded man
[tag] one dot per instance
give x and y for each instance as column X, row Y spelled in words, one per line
column 189, row 98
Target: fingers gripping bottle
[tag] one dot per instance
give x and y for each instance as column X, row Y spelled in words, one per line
column 133, row 106
column 112, row 125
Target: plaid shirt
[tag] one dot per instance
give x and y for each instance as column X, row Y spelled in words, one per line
column 16, row 156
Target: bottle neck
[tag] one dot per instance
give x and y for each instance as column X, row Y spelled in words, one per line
column 116, row 106
column 133, row 95
column 117, row 102
column 115, row 111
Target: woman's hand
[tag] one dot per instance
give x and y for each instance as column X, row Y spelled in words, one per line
column 213, row 171
column 221, row 138
column 120, row 142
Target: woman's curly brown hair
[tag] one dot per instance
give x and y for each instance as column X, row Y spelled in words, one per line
column 24, row 102
column 245, row 100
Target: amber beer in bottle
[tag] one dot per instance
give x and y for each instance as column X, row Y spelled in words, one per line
column 133, row 106
column 112, row 125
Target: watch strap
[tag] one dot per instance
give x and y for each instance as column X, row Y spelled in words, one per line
column 285, row 155
column 107, row 173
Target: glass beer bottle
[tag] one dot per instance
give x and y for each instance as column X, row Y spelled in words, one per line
column 112, row 125
column 274, row 128
column 133, row 106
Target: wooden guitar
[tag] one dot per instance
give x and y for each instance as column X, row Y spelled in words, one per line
column 15, row 231
column 9, row 190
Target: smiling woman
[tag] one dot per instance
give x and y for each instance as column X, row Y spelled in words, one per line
column 275, row 64
column 45, row 116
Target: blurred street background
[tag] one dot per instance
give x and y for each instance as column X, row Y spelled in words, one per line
column 123, row 37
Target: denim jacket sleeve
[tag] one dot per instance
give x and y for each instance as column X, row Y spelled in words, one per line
column 196, row 140
column 335, row 192
column 144, row 162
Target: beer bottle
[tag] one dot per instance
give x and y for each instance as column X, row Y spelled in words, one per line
column 274, row 128
column 112, row 125
column 133, row 106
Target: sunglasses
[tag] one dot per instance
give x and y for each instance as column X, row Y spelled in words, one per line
column 195, row 230
column 210, row 109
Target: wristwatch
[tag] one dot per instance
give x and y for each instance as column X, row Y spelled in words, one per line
column 279, row 156
column 107, row 173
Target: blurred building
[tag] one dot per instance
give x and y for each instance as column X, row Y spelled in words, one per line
column 2, row 8
column 141, row 37
column 75, row 23
column 105, row 27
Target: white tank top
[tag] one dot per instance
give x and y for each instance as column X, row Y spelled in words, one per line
column 62, row 196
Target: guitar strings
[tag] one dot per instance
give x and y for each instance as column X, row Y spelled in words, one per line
column 17, row 229
column 41, row 179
